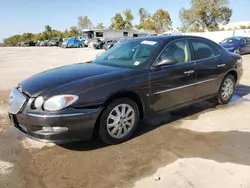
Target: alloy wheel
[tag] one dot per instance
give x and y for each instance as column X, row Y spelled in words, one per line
column 227, row 89
column 120, row 121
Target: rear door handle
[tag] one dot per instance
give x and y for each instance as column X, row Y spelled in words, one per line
column 189, row 72
column 221, row 65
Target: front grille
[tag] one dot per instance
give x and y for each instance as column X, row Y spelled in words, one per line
column 16, row 101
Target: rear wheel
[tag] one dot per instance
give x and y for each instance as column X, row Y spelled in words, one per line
column 226, row 90
column 80, row 46
column 119, row 120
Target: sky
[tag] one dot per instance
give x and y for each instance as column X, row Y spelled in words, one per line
column 19, row 16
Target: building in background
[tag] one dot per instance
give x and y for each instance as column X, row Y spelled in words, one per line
column 112, row 33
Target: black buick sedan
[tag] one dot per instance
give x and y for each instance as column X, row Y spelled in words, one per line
column 110, row 94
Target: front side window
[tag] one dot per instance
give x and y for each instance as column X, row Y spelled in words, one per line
column 178, row 50
column 129, row 54
column 204, row 49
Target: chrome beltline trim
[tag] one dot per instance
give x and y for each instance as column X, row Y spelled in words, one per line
column 55, row 115
column 181, row 87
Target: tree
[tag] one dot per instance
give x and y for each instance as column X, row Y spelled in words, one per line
column 128, row 19
column 84, row 23
column 162, row 20
column 243, row 27
column 146, row 21
column 117, row 22
column 205, row 15
column 100, row 26
column 48, row 28
column 144, row 15
column 74, row 32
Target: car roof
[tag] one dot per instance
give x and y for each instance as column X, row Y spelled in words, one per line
column 234, row 37
column 167, row 37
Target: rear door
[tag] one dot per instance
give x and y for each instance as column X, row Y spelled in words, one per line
column 244, row 46
column 209, row 67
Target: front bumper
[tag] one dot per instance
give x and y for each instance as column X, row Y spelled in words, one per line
column 78, row 122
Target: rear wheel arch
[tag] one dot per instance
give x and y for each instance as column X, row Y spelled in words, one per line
column 233, row 73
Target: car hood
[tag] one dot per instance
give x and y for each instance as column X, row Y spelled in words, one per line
column 51, row 79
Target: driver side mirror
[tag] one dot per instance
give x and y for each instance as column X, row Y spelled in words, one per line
column 166, row 61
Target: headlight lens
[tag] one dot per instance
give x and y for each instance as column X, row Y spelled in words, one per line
column 38, row 102
column 59, row 102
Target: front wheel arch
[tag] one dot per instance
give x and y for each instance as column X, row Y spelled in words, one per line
column 123, row 94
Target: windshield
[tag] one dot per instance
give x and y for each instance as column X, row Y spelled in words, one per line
column 130, row 54
column 231, row 40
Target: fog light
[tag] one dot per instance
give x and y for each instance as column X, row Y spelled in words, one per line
column 54, row 129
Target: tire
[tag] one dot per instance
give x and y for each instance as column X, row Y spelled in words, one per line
column 110, row 116
column 222, row 98
column 80, row 46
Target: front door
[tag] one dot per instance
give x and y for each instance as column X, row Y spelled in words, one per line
column 172, row 85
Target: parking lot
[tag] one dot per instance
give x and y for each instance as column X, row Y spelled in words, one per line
column 199, row 146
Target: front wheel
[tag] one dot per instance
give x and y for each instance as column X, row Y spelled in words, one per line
column 118, row 121
column 226, row 90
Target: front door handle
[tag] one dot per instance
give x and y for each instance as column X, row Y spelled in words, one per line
column 221, row 65
column 189, row 72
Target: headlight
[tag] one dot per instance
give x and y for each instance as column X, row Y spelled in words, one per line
column 59, row 102
column 38, row 102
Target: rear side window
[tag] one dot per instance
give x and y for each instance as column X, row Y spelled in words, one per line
column 205, row 49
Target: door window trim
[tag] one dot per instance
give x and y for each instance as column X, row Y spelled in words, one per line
column 197, row 60
column 159, row 55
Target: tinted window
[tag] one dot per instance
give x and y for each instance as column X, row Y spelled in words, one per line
column 244, row 40
column 230, row 40
column 205, row 49
column 99, row 34
column 125, row 34
column 248, row 40
column 178, row 50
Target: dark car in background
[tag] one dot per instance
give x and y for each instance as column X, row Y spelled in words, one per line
column 55, row 42
column 109, row 44
column 96, row 43
column 44, row 43
column 240, row 45
column 111, row 94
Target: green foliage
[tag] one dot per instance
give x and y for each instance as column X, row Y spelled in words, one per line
column 128, row 19
column 146, row 21
column 48, row 28
column 205, row 15
column 100, row 26
column 245, row 27
column 144, row 15
column 161, row 20
column 48, row 34
column 84, row 23
column 117, row 22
